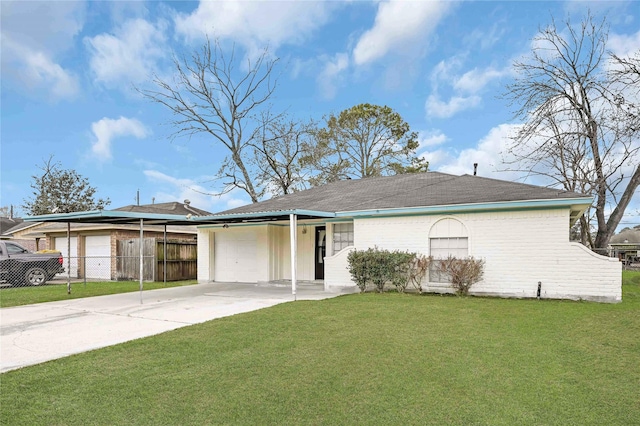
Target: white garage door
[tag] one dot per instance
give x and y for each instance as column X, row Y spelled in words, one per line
column 98, row 253
column 61, row 246
column 235, row 256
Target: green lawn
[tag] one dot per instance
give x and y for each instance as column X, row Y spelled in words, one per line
column 51, row 292
column 357, row 359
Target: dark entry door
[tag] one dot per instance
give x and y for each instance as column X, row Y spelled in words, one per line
column 320, row 251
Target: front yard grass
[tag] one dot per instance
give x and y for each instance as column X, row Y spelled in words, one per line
column 51, row 292
column 357, row 359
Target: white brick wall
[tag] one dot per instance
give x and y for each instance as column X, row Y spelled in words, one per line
column 521, row 248
column 205, row 254
column 305, row 265
column 273, row 252
column 336, row 275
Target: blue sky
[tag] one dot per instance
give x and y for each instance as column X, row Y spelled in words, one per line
column 68, row 71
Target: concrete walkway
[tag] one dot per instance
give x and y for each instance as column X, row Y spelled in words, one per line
column 37, row 333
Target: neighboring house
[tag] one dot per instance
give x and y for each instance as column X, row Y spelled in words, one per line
column 94, row 246
column 14, row 229
column 6, row 223
column 520, row 230
column 625, row 246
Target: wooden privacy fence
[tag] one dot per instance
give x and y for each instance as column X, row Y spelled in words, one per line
column 182, row 259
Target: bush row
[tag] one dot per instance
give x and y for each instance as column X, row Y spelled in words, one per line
column 383, row 267
column 379, row 268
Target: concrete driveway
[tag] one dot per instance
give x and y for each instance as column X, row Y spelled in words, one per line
column 37, row 333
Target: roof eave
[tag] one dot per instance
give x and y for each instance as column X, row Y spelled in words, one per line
column 281, row 214
column 581, row 204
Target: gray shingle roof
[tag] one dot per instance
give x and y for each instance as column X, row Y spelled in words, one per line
column 631, row 236
column 401, row 191
column 11, row 225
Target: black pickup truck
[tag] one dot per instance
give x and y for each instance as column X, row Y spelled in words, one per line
column 19, row 266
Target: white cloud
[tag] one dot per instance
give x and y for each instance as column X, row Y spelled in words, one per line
column 436, row 158
column 330, row 76
column 400, row 26
column 465, row 88
column 181, row 189
column 254, row 24
column 108, row 129
column 489, row 153
column 487, row 38
column 445, row 70
column 431, row 138
column 624, row 45
column 48, row 26
column 33, row 34
column 475, row 80
column 130, row 54
column 437, row 108
column 39, row 72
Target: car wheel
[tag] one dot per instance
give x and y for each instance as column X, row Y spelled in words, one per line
column 35, row 276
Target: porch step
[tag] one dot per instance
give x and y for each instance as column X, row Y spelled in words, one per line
column 287, row 283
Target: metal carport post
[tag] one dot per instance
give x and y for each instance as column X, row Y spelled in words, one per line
column 141, row 255
column 294, row 243
column 69, row 257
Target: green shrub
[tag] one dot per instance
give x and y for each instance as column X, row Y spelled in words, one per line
column 381, row 267
column 463, row 272
column 358, row 268
column 400, row 269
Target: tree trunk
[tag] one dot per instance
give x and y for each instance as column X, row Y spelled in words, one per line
column 585, row 232
column 237, row 159
column 605, row 234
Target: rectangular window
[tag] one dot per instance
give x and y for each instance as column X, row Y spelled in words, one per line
column 444, row 247
column 441, row 248
column 342, row 236
column 15, row 248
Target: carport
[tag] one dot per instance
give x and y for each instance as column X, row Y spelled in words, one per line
column 114, row 217
column 129, row 217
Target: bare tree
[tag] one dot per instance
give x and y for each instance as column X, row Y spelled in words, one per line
column 625, row 75
column 278, row 150
column 208, row 95
column 575, row 132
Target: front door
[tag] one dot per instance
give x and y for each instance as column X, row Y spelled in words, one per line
column 320, row 251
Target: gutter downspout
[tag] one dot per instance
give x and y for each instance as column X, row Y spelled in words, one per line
column 68, row 257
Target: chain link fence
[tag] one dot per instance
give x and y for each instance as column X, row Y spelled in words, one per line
column 56, row 269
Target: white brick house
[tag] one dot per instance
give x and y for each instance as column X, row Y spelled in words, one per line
column 521, row 231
